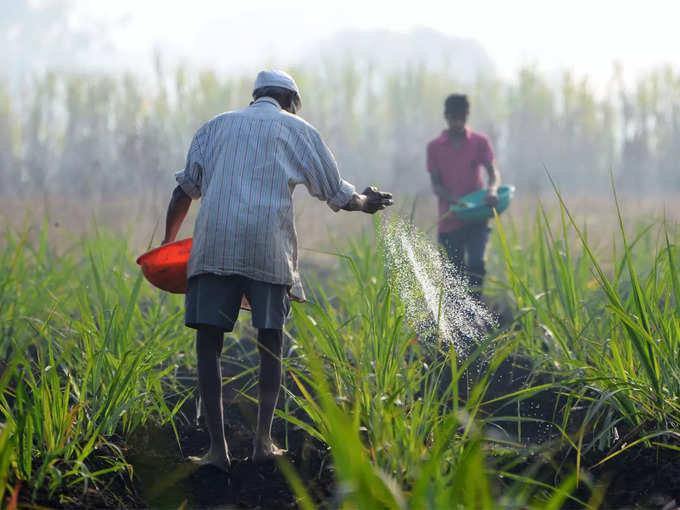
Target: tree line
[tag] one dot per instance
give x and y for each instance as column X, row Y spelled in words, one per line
column 92, row 134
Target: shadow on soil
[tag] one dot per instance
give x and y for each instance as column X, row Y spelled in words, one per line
column 164, row 479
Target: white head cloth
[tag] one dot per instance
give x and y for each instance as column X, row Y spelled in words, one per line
column 275, row 79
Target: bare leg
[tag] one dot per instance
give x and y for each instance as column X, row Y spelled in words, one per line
column 270, row 343
column 209, row 343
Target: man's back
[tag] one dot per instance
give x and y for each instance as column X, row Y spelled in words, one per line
column 244, row 165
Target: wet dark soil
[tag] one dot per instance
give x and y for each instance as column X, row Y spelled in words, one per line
column 111, row 491
column 640, row 478
column 166, row 480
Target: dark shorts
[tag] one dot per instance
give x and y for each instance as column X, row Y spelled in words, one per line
column 215, row 300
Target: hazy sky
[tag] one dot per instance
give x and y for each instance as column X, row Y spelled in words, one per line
column 583, row 35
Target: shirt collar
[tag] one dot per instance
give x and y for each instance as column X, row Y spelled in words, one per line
column 270, row 100
column 447, row 136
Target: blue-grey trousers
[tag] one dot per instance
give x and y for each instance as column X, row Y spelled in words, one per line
column 465, row 250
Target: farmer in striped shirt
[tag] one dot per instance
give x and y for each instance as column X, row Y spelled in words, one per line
column 244, row 165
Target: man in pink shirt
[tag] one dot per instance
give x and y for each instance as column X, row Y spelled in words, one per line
column 454, row 161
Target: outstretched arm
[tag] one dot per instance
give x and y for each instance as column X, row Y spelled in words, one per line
column 322, row 178
column 177, row 211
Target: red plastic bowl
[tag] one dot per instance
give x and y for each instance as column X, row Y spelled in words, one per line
column 166, row 266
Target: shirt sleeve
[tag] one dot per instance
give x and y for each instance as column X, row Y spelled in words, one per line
column 322, row 177
column 191, row 178
column 485, row 151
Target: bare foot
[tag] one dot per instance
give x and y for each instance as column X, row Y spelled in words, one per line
column 219, row 460
column 266, row 451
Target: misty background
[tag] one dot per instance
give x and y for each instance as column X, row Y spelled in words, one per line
column 99, row 102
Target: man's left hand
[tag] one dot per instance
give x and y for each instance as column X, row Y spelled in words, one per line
column 491, row 198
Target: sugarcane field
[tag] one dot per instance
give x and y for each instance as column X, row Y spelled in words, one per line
column 339, row 256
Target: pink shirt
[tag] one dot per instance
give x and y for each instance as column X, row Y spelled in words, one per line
column 459, row 164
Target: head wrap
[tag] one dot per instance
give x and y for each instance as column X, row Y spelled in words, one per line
column 275, row 79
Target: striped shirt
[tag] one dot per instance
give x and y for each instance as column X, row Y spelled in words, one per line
column 244, row 165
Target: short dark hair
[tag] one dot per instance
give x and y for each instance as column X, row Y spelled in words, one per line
column 285, row 97
column 457, row 105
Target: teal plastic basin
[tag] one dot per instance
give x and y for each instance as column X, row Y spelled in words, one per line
column 475, row 209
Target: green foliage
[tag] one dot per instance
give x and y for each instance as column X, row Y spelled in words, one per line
column 408, row 424
column 388, row 406
column 610, row 322
column 79, row 134
column 78, row 369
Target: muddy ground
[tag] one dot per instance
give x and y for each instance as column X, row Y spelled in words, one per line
column 640, row 478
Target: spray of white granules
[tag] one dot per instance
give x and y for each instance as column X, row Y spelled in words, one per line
column 438, row 304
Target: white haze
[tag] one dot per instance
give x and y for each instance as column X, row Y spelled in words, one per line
column 584, row 36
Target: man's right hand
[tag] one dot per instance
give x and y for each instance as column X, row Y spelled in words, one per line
column 375, row 200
